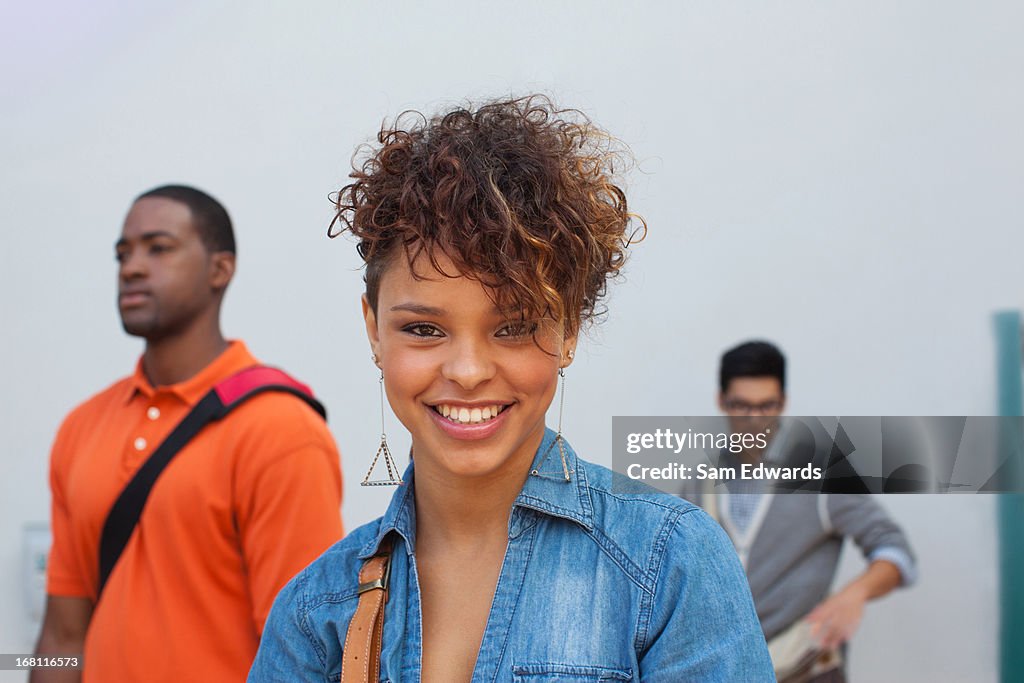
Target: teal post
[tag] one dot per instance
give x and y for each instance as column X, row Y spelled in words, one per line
column 1010, row 507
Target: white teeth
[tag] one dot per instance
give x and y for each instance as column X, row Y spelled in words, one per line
column 469, row 415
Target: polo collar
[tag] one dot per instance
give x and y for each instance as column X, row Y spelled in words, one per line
column 234, row 358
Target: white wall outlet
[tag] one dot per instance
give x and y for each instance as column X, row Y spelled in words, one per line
column 36, row 541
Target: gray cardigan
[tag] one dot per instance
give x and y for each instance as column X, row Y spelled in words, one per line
column 792, row 547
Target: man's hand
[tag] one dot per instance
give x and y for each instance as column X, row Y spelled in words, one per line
column 835, row 620
column 63, row 633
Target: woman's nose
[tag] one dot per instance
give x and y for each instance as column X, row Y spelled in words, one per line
column 469, row 364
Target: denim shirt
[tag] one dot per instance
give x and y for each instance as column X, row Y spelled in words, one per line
column 596, row 585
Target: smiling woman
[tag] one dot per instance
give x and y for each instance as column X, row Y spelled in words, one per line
column 470, row 383
column 489, row 235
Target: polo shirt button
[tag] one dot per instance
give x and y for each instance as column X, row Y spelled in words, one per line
column 140, row 443
column 153, row 413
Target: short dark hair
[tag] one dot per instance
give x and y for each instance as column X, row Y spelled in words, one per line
column 209, row 216
column 752, row 359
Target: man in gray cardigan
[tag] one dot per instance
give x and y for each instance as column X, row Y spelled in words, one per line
column 790, row 543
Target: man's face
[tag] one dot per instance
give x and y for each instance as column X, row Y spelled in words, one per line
column 167, row 279
column 752, row 404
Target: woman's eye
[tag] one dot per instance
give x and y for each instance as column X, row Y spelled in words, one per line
column 520, row 328
column 158, row 248
column 422, row 330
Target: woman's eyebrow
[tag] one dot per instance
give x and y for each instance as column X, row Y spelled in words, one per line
column 420, row 309
column 423, row 309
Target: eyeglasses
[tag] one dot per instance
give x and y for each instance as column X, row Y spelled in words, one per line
column 740, row 407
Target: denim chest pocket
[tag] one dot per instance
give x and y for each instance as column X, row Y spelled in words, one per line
column 567, row 673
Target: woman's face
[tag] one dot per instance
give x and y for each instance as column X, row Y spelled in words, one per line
column 467, row 380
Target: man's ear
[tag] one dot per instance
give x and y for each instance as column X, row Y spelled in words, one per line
column 372, row 333
column 222, row 269
column 721, row 401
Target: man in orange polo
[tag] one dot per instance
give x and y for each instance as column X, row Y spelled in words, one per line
column 244, row 505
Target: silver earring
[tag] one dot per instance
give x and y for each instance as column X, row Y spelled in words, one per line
column 394, row 478
column 559, row 441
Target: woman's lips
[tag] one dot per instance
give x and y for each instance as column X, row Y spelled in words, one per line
column 471, row 431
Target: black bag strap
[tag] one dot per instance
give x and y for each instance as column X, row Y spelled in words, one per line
column 218, row 402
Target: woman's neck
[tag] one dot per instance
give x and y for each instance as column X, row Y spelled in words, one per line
column 464, row 512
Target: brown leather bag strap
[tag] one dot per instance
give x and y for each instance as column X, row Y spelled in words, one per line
column 360, row 655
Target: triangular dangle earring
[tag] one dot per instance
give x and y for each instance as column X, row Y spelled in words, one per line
column 394, row 478
column 559, row 441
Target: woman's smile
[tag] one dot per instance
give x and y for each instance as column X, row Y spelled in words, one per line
column 462, row 421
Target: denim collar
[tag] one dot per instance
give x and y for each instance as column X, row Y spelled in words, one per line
column 546, row 492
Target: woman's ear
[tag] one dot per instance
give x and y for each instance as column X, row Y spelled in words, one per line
column 372, row 333
column 568, row 351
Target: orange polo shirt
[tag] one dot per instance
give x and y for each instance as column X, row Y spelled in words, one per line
column 243, row 507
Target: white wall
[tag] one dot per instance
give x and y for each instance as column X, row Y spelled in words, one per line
column 842, row 177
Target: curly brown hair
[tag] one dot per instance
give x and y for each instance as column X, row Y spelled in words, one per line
column 517, row 193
